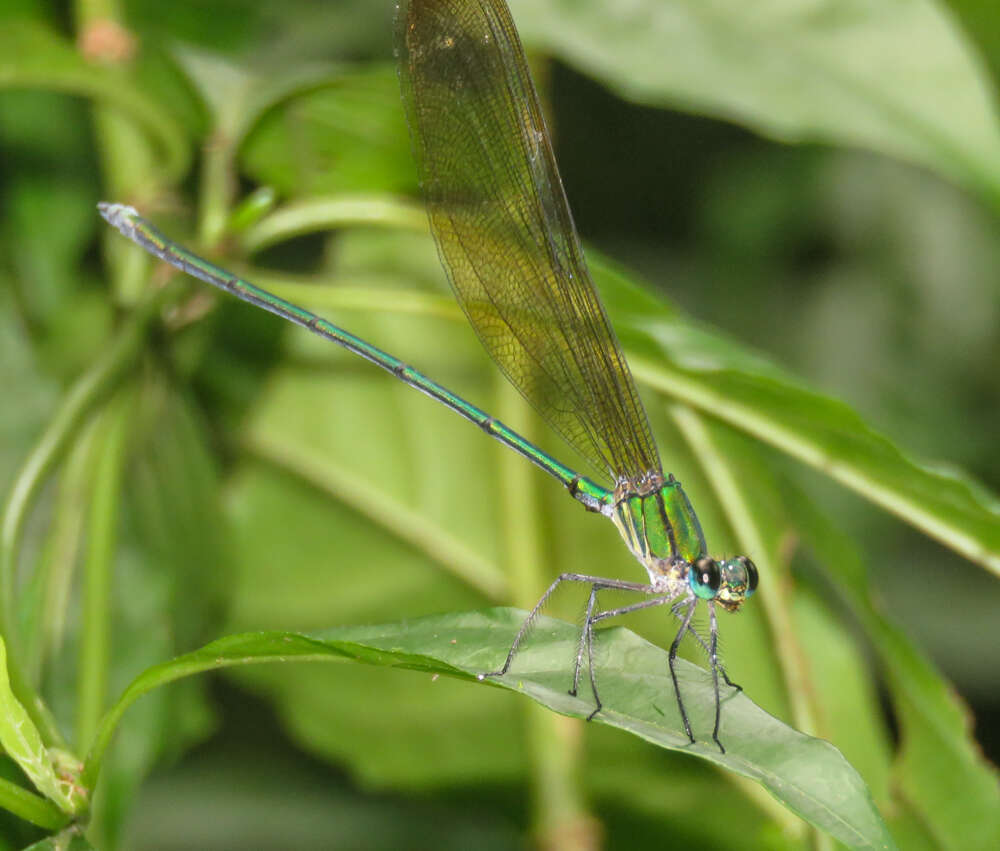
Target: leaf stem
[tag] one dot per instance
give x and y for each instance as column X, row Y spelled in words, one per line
column 31, row 807
column 302, row 217
column 217, row 188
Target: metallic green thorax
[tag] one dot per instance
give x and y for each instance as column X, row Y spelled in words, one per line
column 659, row 524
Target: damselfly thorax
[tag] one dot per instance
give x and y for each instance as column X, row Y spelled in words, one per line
column 660, row 527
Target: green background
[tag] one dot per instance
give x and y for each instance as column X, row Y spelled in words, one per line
column 818, row 183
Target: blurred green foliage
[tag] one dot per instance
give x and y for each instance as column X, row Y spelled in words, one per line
column 176, row 475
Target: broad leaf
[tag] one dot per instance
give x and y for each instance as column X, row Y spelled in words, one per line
column 807, row 775
column 899, row 78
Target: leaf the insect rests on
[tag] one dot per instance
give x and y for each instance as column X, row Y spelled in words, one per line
column 808, row 775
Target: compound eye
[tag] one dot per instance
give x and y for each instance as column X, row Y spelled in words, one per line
column 705, row 578
column 751, row 570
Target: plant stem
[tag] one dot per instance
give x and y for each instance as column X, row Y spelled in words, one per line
column 128, row 161
column 561, row 820
column 102, row 525
column 217, row 190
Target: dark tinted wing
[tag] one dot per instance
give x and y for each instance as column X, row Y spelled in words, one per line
column 504, row 230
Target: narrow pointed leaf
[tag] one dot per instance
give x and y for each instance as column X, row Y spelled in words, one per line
column 712, row 373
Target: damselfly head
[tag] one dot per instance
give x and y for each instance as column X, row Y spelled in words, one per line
column 729, row 583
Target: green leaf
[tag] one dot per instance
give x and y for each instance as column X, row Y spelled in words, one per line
column 807, row 775
column 69, row 840
column 697, row 366
column 712, row 373
column 354, row 121
column 238, row 95
column 383, row 531
column 49, row 224
column 24, row 378
column 898, row 78
column 341, row 566
column 170, row 569
column 979, row 21
column 307, row 423
column 939, row 752
column 937, row 748
column 32, row 56
column 23, row 743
